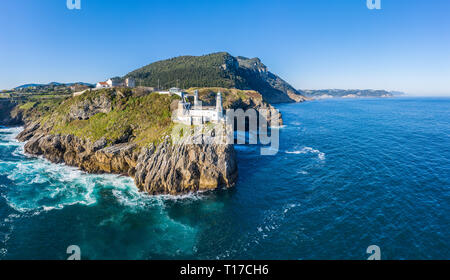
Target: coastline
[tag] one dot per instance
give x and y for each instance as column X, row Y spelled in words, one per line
column 72, row 169
column 155, row 169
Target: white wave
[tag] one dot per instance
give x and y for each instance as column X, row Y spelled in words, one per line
column 8, row 136
column 291, row 206
column 43, row 186
column 11, row 130
column 279, row 127
column 3, row 252
column 184, row 197
column 308, row 150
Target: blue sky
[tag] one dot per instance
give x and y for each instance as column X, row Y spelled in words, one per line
column 310, row 43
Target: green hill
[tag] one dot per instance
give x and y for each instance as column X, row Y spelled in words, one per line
column 217, row 70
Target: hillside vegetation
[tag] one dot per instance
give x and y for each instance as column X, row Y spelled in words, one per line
column 115, row 115
column 187, row 71
column 216, row 70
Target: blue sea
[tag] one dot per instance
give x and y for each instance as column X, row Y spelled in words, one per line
column 349, row 174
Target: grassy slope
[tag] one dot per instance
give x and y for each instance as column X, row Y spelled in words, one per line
column 33, row 109
column 146, row 118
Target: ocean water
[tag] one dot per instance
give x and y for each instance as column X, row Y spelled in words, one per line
column 349, row 174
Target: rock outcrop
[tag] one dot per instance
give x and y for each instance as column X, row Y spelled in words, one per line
column 88, row 108
column 9, row 113
column 272, row 87
column 185, row 168
column 165, row 169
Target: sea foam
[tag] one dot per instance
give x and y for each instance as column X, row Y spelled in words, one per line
column 308, row 150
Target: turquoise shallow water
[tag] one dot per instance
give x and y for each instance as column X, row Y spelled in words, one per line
column 349, row 174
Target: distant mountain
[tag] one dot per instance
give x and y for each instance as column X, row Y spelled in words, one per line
column 27, row 86
column 217, row 70
column 81, row 84
column 352, row 93
column 397, row 93
column 52, row 84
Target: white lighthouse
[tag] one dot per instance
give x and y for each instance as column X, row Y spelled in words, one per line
column 219, row 107
column 196, row 103
column 198, row 114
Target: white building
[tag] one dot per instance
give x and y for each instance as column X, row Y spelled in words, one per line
column 173, row 91
column 198, row 114
column 130, row 82
column 117, row 82
column 102, row 85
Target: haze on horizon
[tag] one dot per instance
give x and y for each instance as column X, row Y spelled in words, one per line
column 321, row 44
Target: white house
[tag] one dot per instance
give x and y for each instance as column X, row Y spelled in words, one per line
column 117, row 82
column 102, row 85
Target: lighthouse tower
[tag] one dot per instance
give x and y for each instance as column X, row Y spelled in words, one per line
column 196, row 103
column 183, row 108
column 219, row 107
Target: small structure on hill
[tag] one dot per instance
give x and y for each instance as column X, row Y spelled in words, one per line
column 198, row 114
column 102, row 85
column 117, row 82
column 173, row 91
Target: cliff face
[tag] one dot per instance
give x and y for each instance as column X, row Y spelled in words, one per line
column 9, row 114
column 273, row 88
column 164, row 169
column 185, row 168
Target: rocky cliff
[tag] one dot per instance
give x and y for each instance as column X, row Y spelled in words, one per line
column 9, row 114
column 162, row 169
column 88, row 132
column 272, row 87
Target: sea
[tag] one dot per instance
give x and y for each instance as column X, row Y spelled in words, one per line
column 349, row 174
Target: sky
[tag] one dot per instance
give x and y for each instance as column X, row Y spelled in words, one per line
column 312, row 44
